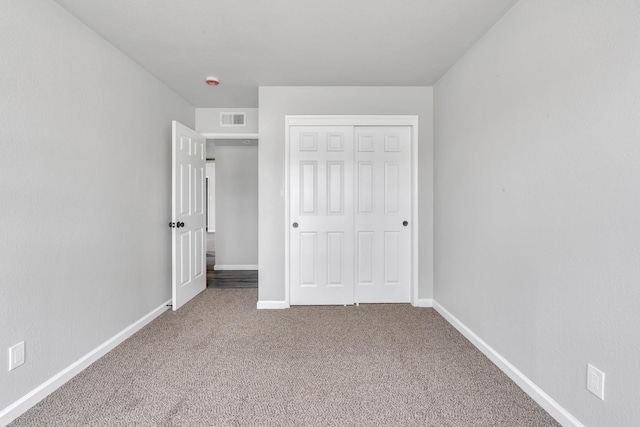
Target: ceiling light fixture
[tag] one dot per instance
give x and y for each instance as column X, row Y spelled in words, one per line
column 212, row 81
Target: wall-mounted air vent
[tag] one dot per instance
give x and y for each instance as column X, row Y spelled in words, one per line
column 232, row 119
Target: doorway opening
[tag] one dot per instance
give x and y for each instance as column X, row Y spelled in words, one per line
column 231, row 213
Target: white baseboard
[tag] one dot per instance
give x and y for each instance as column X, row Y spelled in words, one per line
column 536, row 393
column 236, row 267
column 23, row 404
column 272, row 305
column 424, row 302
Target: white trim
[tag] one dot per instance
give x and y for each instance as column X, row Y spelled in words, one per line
column 235, row 267
column 423, row 302
column 382, row 120
column 415, row 260
column 218, row 135
column 536, row 393
column 386, row 120
column 30, row 399
column 287, row 218
column 272, row 305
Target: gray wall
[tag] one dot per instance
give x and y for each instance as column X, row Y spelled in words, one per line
column 211, row 242
column 236, row 204
column 85, row 179
column 275, row 103
column 537, row 154
column 211, row 201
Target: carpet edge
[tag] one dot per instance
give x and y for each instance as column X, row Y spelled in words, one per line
column 30, row 399
column 552, row 407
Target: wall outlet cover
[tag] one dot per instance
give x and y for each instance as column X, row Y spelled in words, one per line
column 16, row 356
column 595, row 381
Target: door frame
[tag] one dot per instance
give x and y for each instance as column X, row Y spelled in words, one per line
column 360, row 120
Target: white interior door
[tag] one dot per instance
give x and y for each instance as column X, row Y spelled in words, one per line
column 188, row 215
column 321, row 215
column 383, row 213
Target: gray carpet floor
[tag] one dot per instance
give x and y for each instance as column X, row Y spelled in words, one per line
column 220, row 362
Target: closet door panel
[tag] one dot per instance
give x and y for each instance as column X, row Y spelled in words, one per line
column 383, row 186
column 321, row 214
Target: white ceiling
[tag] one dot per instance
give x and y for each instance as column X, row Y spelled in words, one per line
column 251, row 43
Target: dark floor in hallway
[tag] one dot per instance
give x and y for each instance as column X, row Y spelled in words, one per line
column 229, row 278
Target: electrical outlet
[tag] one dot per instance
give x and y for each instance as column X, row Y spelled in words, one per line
column 16, row 356
column 595, row 381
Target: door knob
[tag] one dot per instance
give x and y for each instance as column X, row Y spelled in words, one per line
column 405, row 223
column 172, row 225
column 295, row 225
column 180, row 224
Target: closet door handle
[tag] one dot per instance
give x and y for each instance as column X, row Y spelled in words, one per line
column 405, row 223
column 295, row 225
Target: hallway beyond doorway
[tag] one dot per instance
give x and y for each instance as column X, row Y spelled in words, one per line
column 229, row 278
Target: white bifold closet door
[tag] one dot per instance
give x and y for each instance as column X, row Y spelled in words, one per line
column 350, row 206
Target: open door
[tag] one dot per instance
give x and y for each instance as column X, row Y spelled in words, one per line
column 188, row 215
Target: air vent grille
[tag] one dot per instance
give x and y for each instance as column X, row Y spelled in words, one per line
column 232, row 119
